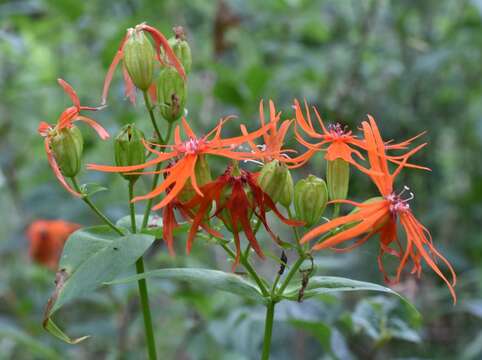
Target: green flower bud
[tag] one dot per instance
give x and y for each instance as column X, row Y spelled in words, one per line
column 338, row 179
column 181, row 48
column 310, row 198
column 139, row 58
column 129, row 149
column 172, row 93
column 203, row 176
column 287, row 194
column 67, row 146
column 272, row 179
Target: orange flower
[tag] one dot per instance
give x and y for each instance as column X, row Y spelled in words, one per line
column 68, row 116
column 187, row 152
column 380, row 217
column 341, row 143
column 274, row 139
column 47, row 238
column 160, row 41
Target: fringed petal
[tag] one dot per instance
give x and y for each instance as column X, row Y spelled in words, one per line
column 343, row 220
column 161, row 40
column 71, row 92
column 43, row 128
column 103, row 134
column 364, row 225
column 169, row 223
column 416, row 235
column 110, row 72
column 179, row 175
column 238, row 206
column 188, row 129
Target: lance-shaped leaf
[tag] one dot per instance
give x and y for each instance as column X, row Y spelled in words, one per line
column 319, row 285
column 203, row 278
column 91, row 257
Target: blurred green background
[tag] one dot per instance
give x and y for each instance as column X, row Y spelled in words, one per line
column 414, row 65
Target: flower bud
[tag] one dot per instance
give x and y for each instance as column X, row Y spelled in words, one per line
column 129, row 149
column 310, row 198
column 338, row 179
column 171, row 94
column 139, row 58
column 181, row 48
column 203, row 176
column 272, row 179
column 67, row 146
column 287, row 194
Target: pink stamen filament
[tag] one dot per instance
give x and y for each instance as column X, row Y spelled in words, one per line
column 337, row 130
column 397, row 204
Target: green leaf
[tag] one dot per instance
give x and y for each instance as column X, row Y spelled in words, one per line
column 90, row 189
column 91, row 257
column 154, row 225
column 204, row 278
column 125, row 222
column 319, row 285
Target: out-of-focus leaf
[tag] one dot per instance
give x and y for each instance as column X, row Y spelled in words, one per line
column 339, row 346
column 378, row 319
column 320, row 330
column 474, row 349
column 474, row 307
column 204, row 278
column 91, row 257
column 329, row 337
column 29, row 344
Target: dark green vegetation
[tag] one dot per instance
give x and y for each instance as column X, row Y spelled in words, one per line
column 413, row 65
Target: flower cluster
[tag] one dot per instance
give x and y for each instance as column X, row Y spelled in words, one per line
column 238, row 198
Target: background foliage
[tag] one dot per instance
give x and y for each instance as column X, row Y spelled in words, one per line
column 414, row 65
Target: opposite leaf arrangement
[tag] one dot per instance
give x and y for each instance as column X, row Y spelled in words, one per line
column 238, row 201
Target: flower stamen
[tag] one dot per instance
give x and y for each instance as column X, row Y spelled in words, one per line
column 397, row 204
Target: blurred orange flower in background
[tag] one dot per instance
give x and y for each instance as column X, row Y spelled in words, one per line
column 47, row 238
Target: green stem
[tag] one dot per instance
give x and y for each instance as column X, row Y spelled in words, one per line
column 299, row 247
column 290, row 275
column 249, row 268
column 132, row 207
column 275, row 283
column 146, row 312
column 336, row 210
column 142, row 286
column 147, row 211
column 268, row 330
column 152, row 117
column 155, row 180
column 94, row 208
column 142, row 283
